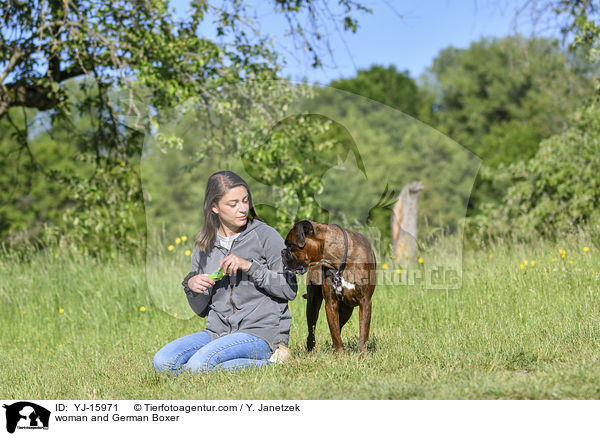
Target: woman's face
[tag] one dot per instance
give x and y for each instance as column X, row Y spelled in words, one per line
column 233, row 208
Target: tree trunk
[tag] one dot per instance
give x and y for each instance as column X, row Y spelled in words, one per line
column 404, row 224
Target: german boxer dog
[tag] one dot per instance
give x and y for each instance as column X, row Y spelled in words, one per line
column 341, row 270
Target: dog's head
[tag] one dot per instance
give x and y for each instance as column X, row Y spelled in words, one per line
column 298, row 249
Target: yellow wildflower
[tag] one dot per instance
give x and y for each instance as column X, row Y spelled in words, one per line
column 61, row 310
column 384, row 266
column 522, row 266
column 586, row 249
column 170, row 248
column 175, row 314
column 420, row 260
column 184, row 238
column 532, row 262
column 398, row 271
column 142, row 308
column 491, row 255
column 571, row 262
column 554, row 259
column 178, row 240
column 188, row 252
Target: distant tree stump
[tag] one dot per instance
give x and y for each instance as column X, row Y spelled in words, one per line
column 404, row 224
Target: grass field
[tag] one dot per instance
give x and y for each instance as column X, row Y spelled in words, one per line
column 75, row 328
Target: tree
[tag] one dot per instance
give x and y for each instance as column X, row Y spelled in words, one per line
column 500, row 97
column 27, row 201
column 385, row 85
column 45, row 43
column 121, row 48
column 556, row 191
column 394, row 150
column 499, row 85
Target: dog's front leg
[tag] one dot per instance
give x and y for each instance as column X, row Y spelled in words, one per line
column 313, row 305
column 333, row 317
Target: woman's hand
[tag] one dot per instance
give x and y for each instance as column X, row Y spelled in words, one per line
column 234, row 262
column 200, row 284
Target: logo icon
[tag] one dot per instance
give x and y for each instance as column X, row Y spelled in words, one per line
column 25, row 415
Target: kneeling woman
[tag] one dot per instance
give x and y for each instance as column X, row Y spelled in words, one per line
column 247, row 311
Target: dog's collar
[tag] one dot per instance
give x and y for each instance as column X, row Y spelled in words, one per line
column 337, row 275
column 343, row 265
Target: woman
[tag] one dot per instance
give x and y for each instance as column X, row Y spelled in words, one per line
column 247, row 311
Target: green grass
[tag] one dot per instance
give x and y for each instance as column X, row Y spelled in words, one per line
column 509, row 333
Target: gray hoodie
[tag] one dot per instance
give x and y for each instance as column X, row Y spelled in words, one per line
column 253, row 302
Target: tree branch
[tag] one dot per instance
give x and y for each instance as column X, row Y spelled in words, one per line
column 32, row 96
column 11, row 64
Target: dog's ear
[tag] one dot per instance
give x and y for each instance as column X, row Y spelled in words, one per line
column 303, row 229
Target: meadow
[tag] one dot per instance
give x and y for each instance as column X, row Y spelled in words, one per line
column 524, row 325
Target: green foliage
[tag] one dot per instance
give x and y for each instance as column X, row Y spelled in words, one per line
column 29, row 198
column 120, row 48
column 106, row 216
column 385, row 85
column 554, row 192
column 291, row 157
column 587, row 28
column 500, row 97
column 78, row 177
column 489, row 88
column 254, row 130
column 333, row 165
column 395, row 150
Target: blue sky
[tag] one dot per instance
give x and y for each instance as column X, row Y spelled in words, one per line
column 410, row 36
column 407, row 34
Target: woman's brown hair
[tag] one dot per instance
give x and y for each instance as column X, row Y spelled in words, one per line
column 218, row 184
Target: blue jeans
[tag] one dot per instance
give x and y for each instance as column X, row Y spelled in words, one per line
column 197, row 353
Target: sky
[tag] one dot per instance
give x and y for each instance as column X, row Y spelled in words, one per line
column 407, row 34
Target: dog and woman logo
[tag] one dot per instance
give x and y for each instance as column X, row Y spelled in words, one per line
column 26, row 416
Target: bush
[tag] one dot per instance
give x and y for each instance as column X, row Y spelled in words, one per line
column 555, row 192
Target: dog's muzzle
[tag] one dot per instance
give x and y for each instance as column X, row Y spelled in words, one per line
column 289, row 260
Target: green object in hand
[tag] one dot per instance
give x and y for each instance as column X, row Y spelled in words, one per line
column 217, row 274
